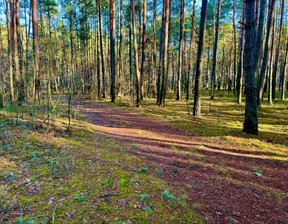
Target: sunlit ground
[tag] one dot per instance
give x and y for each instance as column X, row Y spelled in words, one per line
column 48, row 173
column 222, row 118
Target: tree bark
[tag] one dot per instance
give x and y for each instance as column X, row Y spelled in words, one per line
column 180, row 56
column 98, row 57
column 16, row 54
column 131, row 91
column 71, row 49
column 140, row 26
column 259, row 36
column 36, row 52
column 284, row 72
column 112, row 48
column 101, row 51
column 213, row 73
column 161, row 53
column 208, row 67
column 51, row 70
column 27, row 32
column 1, row 72
column 199, row 63
column 190, row 51
column 235, row 47
column 251, row 117
column 11, row 80
column 21, row 96
column 267, row 49
column 137, row 77
column 165, row 54
column 155, row 48
column 275, row 67
column 271, row 61
column 143, row 48
column 120, row 75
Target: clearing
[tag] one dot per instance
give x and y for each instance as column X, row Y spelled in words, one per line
column 122, row 164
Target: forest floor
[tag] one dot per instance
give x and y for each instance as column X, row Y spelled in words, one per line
column 149, row 164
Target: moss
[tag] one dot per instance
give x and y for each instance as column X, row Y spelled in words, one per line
column 88, row 165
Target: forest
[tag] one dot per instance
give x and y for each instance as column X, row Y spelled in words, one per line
column 144, row 111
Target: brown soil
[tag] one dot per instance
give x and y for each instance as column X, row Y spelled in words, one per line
column 221, row 187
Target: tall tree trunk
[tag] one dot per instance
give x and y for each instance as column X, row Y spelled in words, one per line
column 131, row 91
column 101, row 51
column 235, row 47
column 180, row 56
column 208, row 67
column 169, row 40
column 140, row 26
column 251, row 118
column 165, row 54
column 229, row 74
column 98, row 57
column 27, row 32
column 222, row 72
column 190, row 50
column 16, row 54
column 275, row 67
column 11, row 80
column 1, row 72
column 284, row 72
column 259, row 36
column 112, row 48
column 271, row 61
column 213, row 73
column 21, row 96
column 36, row 51
column 137, row 77
column 50, row 72
column 155, row 48
column 143, row 48
column 267, row 49
column 120, row 75
column 199, row 63
column 72, row 86
column 161, row 53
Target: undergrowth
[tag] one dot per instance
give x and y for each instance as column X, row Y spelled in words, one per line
column 50, row 176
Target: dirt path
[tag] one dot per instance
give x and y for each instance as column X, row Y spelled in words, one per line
column 218, row 179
